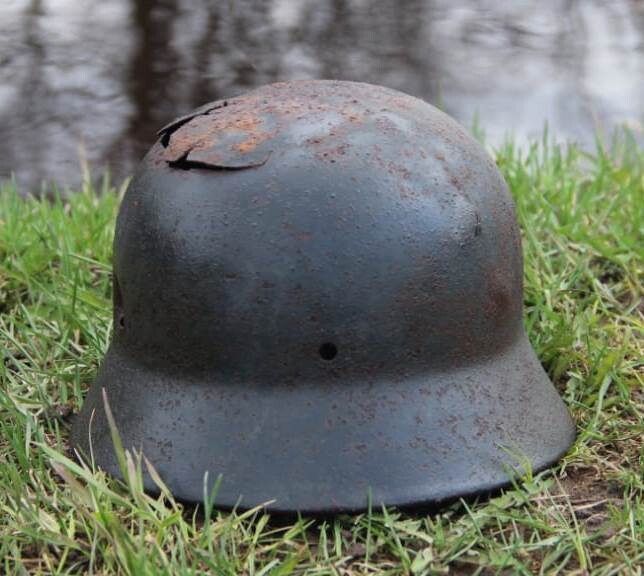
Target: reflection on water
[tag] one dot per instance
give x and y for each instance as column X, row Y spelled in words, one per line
column 108, row 74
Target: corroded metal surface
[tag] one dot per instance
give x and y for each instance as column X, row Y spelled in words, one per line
column 317, row 294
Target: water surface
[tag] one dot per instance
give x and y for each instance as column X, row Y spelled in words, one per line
column 101, row 76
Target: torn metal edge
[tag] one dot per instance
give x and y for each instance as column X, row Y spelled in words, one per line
column 185, row 163
column 166, row 132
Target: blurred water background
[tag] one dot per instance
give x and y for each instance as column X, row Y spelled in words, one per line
column 103, row 75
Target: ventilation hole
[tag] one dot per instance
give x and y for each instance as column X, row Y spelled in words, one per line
column 328, row 351
column 121, row 321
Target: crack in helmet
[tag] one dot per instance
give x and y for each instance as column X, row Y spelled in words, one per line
column 318, row 296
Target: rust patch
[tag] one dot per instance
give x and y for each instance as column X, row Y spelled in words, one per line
column 218, row 141
column 499, row 303
column 247, row 145
column 242, row 132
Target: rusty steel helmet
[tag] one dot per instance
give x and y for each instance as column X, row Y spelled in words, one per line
column 318, row 299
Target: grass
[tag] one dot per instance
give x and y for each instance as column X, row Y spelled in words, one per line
column 582, row 217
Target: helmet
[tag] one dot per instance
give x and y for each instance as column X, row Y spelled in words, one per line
column 318, row 297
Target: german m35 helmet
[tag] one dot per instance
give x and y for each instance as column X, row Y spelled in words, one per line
column 318, row 297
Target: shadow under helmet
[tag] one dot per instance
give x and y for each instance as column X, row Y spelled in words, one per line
column 318, row 296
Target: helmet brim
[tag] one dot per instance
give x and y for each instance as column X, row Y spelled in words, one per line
column 327, row 448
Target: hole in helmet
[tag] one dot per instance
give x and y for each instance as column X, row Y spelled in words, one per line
column 328, row 351
column 121, row 321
